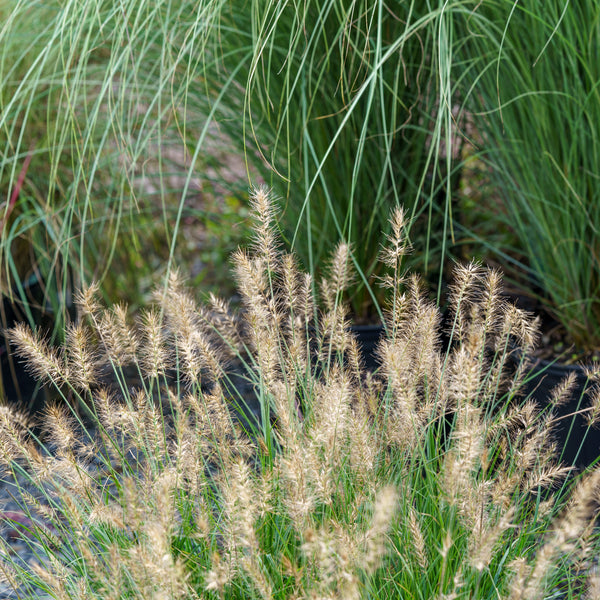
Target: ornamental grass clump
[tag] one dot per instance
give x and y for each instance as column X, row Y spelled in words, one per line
column 198, row 454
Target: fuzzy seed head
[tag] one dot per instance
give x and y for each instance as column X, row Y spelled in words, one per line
column 82, row 356
column 385, row 508
column 339, row 276
column 396, row 246
column 153, row 351
column 266, row 240
column 43, row 362
column 120, row 340
column 593, row 416
column 86, row 300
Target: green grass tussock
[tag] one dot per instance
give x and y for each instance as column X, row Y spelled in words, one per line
column 122, row 112
column 532, row 88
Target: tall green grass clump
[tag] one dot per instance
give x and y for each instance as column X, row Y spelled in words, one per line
column 428, row 478
column 353, row 108
column 534, row 88
column 113, row 117
column 98, row 143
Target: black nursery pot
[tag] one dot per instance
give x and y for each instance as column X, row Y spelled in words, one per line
column 578, row 443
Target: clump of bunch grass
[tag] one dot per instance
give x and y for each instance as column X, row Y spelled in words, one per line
column 428, row 478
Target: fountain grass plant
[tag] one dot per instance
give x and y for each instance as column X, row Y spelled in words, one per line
column 428, row 478
column 349, row 103
column 344, row 105
column 533, row 87
column 97, row 144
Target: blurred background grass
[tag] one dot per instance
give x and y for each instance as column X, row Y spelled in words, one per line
column 130, row 132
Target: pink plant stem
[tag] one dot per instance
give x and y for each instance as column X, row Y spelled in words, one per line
column 15, row 194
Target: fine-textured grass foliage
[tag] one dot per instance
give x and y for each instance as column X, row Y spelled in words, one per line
column 430, row 478
column 111, row 116
column 99, row 154
column 534, row 84
column 351, row 106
